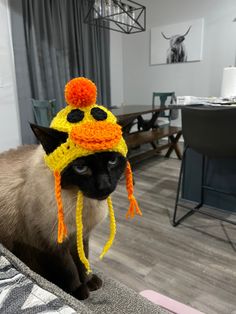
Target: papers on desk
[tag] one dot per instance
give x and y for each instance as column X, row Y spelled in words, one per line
column 210, row 101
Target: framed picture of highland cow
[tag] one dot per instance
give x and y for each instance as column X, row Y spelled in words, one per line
column 177, row 43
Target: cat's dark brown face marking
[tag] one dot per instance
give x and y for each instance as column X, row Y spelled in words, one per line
column 48, row 137
column 95, row 175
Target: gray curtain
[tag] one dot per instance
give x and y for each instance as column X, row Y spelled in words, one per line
column 51, row 45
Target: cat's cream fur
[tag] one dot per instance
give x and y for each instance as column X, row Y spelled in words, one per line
column 28, row 210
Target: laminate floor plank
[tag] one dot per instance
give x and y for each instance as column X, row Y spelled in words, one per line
column 194, row 263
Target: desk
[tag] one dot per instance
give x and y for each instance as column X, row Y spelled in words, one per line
column 128, row 114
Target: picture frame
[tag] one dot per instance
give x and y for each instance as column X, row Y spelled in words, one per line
column 177, row 43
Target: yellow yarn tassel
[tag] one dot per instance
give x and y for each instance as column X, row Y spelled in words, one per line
column 112, row 228
column 79, row 225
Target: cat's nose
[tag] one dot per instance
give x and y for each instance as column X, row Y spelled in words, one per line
column 103, row 183
column 96, row 136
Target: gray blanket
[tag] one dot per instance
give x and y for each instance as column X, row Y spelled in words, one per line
column 23, row 291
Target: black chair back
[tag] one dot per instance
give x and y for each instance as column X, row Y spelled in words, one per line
column 210, row 131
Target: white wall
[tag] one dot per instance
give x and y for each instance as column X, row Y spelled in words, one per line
column 9, row 119
column 197, row 78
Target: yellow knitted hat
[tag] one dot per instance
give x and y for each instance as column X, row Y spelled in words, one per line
column 91, row 128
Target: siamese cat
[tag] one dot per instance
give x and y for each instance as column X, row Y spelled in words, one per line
column 28, row 210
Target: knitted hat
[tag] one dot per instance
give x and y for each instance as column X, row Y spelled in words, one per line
column 91, row 128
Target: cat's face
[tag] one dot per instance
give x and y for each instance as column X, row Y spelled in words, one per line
column 95, row 175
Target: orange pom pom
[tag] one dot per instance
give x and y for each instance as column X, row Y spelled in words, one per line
column 80, row 92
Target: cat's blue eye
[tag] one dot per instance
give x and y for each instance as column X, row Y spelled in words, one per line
column 82, row 170
column 112, row 162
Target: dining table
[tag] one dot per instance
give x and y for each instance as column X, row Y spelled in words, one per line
column 128, row 113
column 148, row 132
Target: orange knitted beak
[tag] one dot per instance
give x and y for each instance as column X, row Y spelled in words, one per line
column 96, row 136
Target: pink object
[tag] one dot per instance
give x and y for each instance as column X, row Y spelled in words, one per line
column 168, row 303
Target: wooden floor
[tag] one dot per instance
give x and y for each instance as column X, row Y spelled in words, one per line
column 194, row 263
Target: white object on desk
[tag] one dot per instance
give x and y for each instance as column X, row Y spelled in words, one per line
column 228, row 87
column 194, row 100
column 189, row 100
column 209, row 101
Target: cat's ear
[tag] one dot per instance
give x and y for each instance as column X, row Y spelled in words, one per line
column 48, row 137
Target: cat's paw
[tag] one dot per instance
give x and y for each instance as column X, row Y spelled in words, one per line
column 94, row 283
column 82, row 292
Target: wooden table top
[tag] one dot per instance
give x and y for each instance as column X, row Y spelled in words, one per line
column 129, row 111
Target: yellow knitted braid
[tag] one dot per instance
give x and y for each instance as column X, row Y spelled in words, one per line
column 112, row 228
column 79, row 224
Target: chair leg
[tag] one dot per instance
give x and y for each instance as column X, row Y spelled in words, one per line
column 202, row 182
column 199, row 205
column 197, row 208
column 174, row 221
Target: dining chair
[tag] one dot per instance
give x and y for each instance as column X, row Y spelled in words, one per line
column 161, row 119
column 162, row 100
column 209, row 132
column 44, row 111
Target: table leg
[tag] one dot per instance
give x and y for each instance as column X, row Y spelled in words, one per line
column 174, row 145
